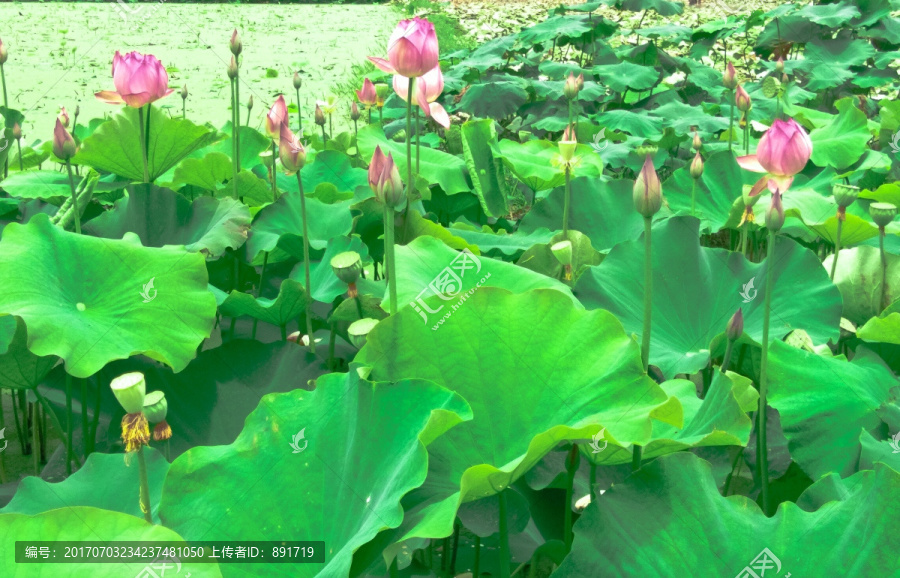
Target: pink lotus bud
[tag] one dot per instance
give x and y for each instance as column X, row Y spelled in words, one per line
column 232, row 68
column 367, row 95
column 290, row 151
column 697, row 142
column 729, row 79
column 63, row 117
column 320, row 116
column 412, row 49
column 570, row 88
column 697, row 166
column 354, row 111
column 276, row 117
column 568, row 143
column 775, row 213
column 139, row 79
column 63, row 143
column 4, row 55
column 779, row 65
column 250, row 103
column 235, row 44
column 17, row 131
column 647, row 191
column 742, row 99
column 384, row 179
column 579, row 81
column 735, row 327
column 184, row 92
column 784, row 149
column 298, row 82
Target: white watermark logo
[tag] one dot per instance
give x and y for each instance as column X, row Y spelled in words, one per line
column 157, row 568
column 5, row 441
column 730, row 7
column 763, row 563
column 595, row 442
column 134, row 15
column 5, row 144
column 295, row 443
column 748, row 292
column 894, row 443
column 448, row 285
column 895, row 142
column 148, row 287
column 598, row 148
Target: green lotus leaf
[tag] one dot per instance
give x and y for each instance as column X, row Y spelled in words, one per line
column 883, row 329
column 673, row 504
column 843, row 141
column 536, row 369
column 531, row 162
column 219, row 492
column 662, row 7
column 684, row 118
column 486, row 171
column 489, row 54
column 808, row 390
column 419, row 226
column 206, row 173
column 626, row 75
column 568, row 27
column 163, row 217
column 686, row 274
column 8, row 329
column 90, row 300
column 105, row 481
column 332, row 167
column 858, row 276
column 639, row 124
column 819, row 214
column 37, row 185
column 830, row 15
column 281, row 223
column 252, row 190
column 437, row 167
column 540, row 258
column 495, row 244
column 325, row 284
column 493, row 100
column 427, row 266
column 20, row 368
column 84, row 523
column 287, row 306
column 115, row 146
column 875, row 451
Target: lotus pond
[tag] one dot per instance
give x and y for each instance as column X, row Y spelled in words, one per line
column 606, row 296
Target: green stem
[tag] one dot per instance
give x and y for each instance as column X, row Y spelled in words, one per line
column 35, row 443
column 324, row 138
column 309, row 330
column 6, row 104
column 476, row 564
column 2, row 426
column 331, row 339
column 648, row 308
column 393, row 569
column 571, row 469
column 592, row 480
column 734, row 464
column 693, row 195
column 143, row 137
column 567, row 201
column 731, row 124
column 19, row 147
column 409, row 177
column 283, row 328
column 726, row 360
column 837, row 247
column 747, row 136
column 417, row 140
column 262, row 278
column 884, row 293
column 390, row 264
column 237, row 119
column 145, row 485
column 330, row 126
column 95, row 420
column 274, row 187
column 762, row 448
column 359, row 310
column 183, row 108
column 84, row 416
column 19, row 432
column 456, row 528
column 234, row 149
column 69, row 424
column 356, row 138
column 504, row 537
column 299, row 116
column 744, row 238
column 75, row 210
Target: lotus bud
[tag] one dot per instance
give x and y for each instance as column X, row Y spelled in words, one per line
column 882, row 213
column 568, row 143
column 563, row 253
column 845, row 195
column 647, row 191
column 570, row 88
column 742, row 100
column 130, row 389
column 250, row 103
column 232, row 68
column 63, row 117
column 4, row 55
column 63, row 143
column 17, row 131
column 779, row 65
column 729, row 79
column 384, row 179
column 290, row 151
column 697, row 167
column 235, row 43
column 697, row 142
column 298, row 82
column 735, row 327
column 77, row 112
column 367, row 94
column 748, row 200
column 359, row 329
column 320, row 116
column 775, row 213
column 784, row 78
column 354, row 111
column 382, row 91
column 579, row 81
column 184, row 92
column 347, row 267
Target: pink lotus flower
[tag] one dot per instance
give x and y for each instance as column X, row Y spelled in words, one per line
column 729, row 79
column 782, row 153
column 139, row 79
column 367, row 95
column 276, row 118
column 63, row 117
column 384, row 179
column 412, row 49
column 63, row 143
column 427, row 88
column 290, row 151
column 742, row 99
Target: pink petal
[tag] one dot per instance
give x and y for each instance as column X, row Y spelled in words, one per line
column 382, row 64
column 440, row 115
column 780, row 182
column 759, row 186
column 421, row 95
column 751, row 163
column 109, row 97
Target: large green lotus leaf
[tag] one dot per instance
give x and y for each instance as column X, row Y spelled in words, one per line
column 493, row 100
column 283, row 221
column 819, row 214
column 858, row 276
column 252, row 190
column 602, row 210
column 716, row 420
column 206, row 173
column 672, row 505
column 697, row 289
column 639, row 124
column 626, row 75
column 663, row 7
column 333, row 167
column 487, row 172
column 437, row 167
column 90, row 300
column 531, row 162
column 20, row 368
column 496, row 243
column 841, row 143
column 883, row 329
column 37, row 185
column 809, row 390
column 325, row 284
column 684, row 118
column 419, row 226
column 336, row 489
column 85, row 523
column 536, row 369
column 427, row 267
column 253, row 143
column 287, row 306
column 568, row 26
column 115, row 146
column 108, row 481
column 830, row 15
column 163, row 217
column 874, row 451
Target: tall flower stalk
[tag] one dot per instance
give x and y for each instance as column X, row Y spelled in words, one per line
column 568, row 161
column 236, row 47
column 4, row 56
column 882, row 214
column 844, row 195
column 235, row 116
column 276, row 119
column 298, row 83
column 130, row 390
column 64, row 148
column 367, row 96
column 384, row 179
column 729, row 80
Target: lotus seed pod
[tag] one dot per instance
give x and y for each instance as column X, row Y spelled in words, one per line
column 382, row 91
column 130, row 389
column 770, row 86
column 748, row 200
column 347, row 266
column 775, row 213
column 845, row 195
column 359, row 329
column 735, row 326
column 563, row 252
column 155, row 406
column 298, row 82
column 697, row 167
column 882, row 213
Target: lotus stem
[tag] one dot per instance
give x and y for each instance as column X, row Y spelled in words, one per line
column 744, row 228
column 567, row 201
column 456, row 528
column 184, row 109
column 274, row 185
column 693, row 195
column 380, row 116
column 145, row 485
column 761, row 447
column 331, row 339
column 837, row 247
column 283, row 328
column 143, row 136
column 648, row 309
column 95, row 420
column 731, row 123
column 309, row 330
column 84, row 416
column 417, row 141
column 571, row 469
column 19, row 432
column 2, row 426
column 5, row 104
column 234, row 148
column 476, row 564
column 19, row 147
column 330, row 126
column 504, row 537
column 409, row 177
column 884, row 293
column 356, row 137
column 35, row 444
column 445, row 551
column 75, row 210
column 324, row 138
column 237, row 122
column 262, row 278
column 299, row 116
column 592, row 479
column 369, row 110
column 389, row 257
column 727, row 489
column 393, row 572
column 68, row 424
